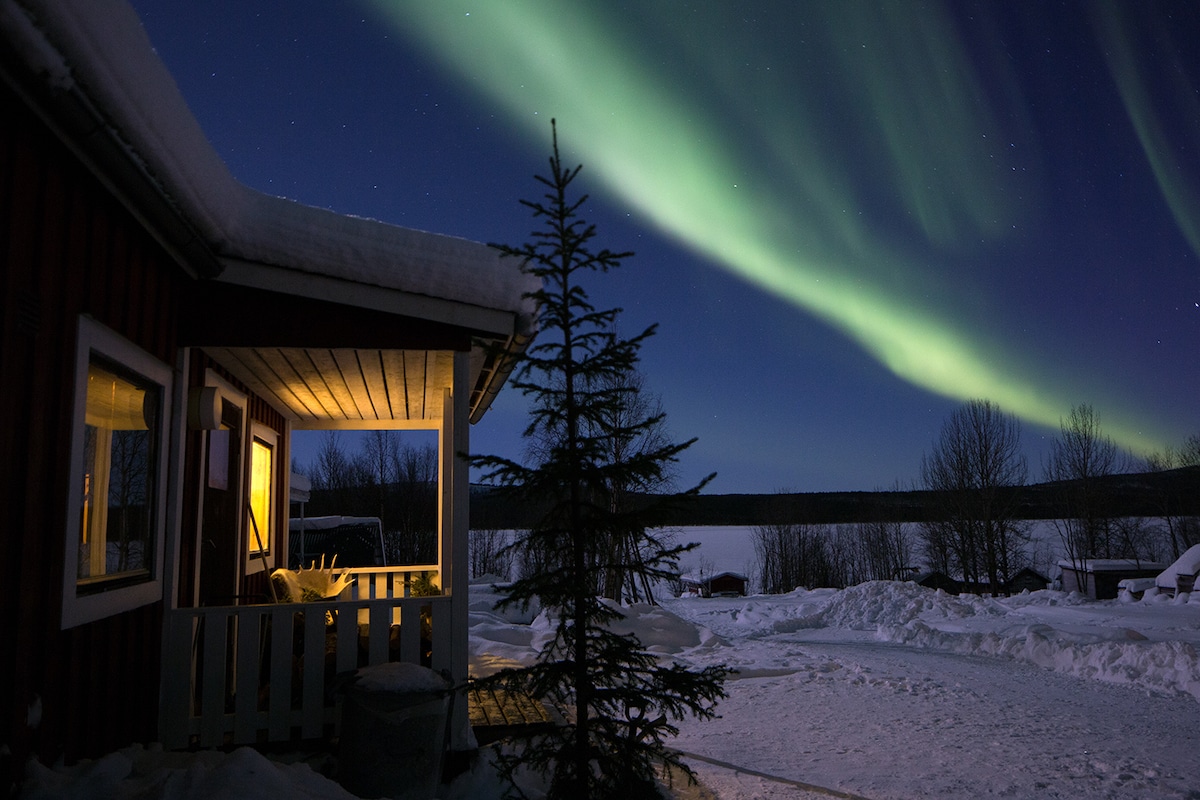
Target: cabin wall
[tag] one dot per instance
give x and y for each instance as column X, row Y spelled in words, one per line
column 68, row 248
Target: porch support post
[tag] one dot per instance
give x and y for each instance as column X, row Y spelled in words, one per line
column 172, row 669
column 456, row 489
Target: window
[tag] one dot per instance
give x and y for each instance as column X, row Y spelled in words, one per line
column 260, row 526
column 118, row 468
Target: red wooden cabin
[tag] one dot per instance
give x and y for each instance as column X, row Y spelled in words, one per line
column 164, row 330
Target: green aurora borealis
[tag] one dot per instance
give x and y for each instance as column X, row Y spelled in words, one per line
column 852, row 161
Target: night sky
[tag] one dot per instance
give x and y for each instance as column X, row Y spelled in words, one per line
column 848, row 217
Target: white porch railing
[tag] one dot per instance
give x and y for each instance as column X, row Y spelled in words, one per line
column 266, row 673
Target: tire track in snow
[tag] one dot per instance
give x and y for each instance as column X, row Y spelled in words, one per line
column 808, row 787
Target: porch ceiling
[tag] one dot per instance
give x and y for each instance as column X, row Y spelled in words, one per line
column 347, row 388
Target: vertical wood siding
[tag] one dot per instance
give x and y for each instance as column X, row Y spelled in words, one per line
column 67, row 248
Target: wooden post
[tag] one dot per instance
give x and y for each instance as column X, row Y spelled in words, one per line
column 456, row 483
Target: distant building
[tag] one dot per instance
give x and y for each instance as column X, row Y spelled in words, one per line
column 720, row 584
column 1098, row 578
column 1026, row 579
column 937, row 580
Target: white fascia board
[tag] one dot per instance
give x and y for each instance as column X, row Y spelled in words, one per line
column 393, row 301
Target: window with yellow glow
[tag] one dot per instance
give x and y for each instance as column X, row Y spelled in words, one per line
column 117, row 517
column 262, row 462
column 119, row 474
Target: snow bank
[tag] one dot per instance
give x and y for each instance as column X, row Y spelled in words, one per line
column 137, row 773
column 662, row 632
column 1153, row 644
column 398, row 677
column 1186, row 564
column 889, row 603
column 1064, row 632
column 1116, row 653
column 1118, row 656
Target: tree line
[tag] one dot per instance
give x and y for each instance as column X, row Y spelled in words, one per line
column 792, row 555
column 975, row 480
column 387, row 477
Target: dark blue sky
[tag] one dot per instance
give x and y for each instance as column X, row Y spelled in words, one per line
column 848, row 218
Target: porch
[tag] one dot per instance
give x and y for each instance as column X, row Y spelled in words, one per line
column 269, row 672
column 264, row 672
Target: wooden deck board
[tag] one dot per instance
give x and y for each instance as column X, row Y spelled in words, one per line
column 495, row 713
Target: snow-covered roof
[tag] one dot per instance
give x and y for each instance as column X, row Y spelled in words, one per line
column 330, row 522
column 299, row 488
column 98, row 51
column 1109, row 564
column 1186, row 564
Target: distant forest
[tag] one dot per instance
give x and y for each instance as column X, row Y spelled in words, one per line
column 411, row 503
column 1174, row 493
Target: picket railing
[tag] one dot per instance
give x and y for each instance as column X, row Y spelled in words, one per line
column 268, row 673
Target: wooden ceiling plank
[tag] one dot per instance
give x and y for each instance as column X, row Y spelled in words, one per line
column 247, row 365
column 247, row 368
column 296, row 368
column 397, row 383
column 331, row 376
column 414, row 370
column 343, row 365
column 374, row 386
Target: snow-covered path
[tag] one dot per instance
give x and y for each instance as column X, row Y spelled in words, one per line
column 887, row 721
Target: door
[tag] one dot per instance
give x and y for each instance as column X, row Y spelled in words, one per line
column 221, row 503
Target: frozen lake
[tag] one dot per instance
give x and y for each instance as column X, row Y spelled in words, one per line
column 730, row 548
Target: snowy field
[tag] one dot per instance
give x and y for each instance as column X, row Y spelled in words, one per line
column 890, row 690
column 884, row 690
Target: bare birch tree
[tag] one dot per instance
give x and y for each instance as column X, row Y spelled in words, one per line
column 1181, row 530
column 976, row 468
column 1079, row 459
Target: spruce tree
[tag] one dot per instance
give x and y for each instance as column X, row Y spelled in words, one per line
column 620, row 702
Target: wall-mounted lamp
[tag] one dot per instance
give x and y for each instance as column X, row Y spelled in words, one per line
column 204, row 408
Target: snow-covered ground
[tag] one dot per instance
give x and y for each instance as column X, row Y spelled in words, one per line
column 889, row 690
column 883, row 690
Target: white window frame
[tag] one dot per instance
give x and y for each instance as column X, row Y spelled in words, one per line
column 254, row 557
column 78, row 609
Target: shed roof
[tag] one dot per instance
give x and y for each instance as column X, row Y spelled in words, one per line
column 1109, row 565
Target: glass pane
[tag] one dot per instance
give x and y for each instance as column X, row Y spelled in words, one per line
column 120, row 448
column 260, row 495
